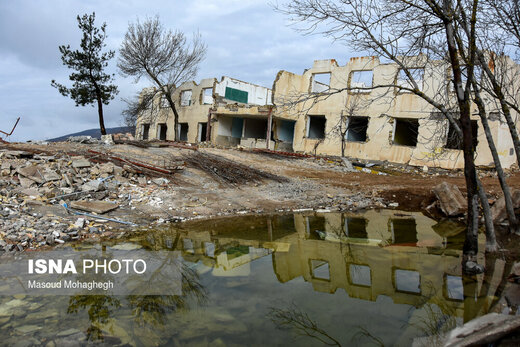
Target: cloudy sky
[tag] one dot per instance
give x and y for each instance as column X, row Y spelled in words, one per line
column 246, row 40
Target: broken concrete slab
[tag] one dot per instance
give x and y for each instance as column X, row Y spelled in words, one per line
column 50, row 175
column 32, row 172
column 80, row 163
column 94, row 206
column 93, row 186
column 451, row 200
column 31, row 192
column 160, row 181
column 483, row 330
column 26, row 182
column 498, row 210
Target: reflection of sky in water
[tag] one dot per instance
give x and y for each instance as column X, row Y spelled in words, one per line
column 349, row 279
column 455, row 287
column 360, row 275
column 407, row 281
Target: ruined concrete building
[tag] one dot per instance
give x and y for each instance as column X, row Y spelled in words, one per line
column 237, row 112
column 381, row 123
column 355, row 120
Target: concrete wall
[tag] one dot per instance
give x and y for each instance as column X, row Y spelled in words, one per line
column 382, row 106
column 195, row 113
column 257, row 95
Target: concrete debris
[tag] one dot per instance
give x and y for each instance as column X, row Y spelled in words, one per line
column 107, row 139
column 93, row 186
column 80, row 163
column 451, row 200
column 485, row 330
column 94, row 206
column 83, row 139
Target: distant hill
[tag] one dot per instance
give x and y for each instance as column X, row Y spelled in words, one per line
column 95, row 133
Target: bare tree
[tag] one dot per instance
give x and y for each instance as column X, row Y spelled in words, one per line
column 163, row 56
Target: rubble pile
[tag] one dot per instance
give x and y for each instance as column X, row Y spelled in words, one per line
column 88, row 189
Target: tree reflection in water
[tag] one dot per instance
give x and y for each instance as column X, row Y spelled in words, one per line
column 99, row 309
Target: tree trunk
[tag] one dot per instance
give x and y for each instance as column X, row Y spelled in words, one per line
column 491, row 241
column 100, row 113
column 471, row 242
column 513, row 221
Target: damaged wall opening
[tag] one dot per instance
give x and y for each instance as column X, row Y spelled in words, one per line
column 255, row 128
column 285, row 130
column 207, row 96
column 403, row 80
column 357, row 129
column 361, row 79
column 162, row 128
column 356, row 227
column 186, row 98
column 183, row 132
column 405, row 132
column 202, row 132
column 454, row 141
column 320, row 82
column 145, row 131
column 316, row 127
column 404, row 231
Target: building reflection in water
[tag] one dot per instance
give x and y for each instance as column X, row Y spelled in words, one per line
column 402, row 255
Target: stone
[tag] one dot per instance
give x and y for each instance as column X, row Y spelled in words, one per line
column 160, row 181
column 498, row 210
column 347, row 164
column 141, row 180
column 107, row 168
column 107, row 139
column 31, row 192
column 27, row 329
column 450, row 198
column 80, row 163
column 94, row 206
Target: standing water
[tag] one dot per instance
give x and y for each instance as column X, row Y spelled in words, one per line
column 378, row 277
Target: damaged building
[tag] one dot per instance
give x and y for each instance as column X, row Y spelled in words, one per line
column 356, row 119
column 237, row 111
column 383, row 123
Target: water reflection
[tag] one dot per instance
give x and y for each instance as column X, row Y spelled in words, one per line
column 375, row 277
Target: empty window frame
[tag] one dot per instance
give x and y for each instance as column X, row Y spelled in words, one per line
column 188, row 245
column 162, row 129
column 182, row 129
column 359, row 275
column 405, row 132
column 316, row 127
column 164, row 102
column 207, row 96
column 357, row 129
column 361, row 79
column 145, row 131
column 320, row 82
column 404, row 81
column 404, row 231
column 186, row 97
column 315, row 226
column 320, row 269
column 407, row 281
column 356, row 227
column 454, row 141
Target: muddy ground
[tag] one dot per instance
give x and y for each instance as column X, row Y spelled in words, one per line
column 206, row 182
